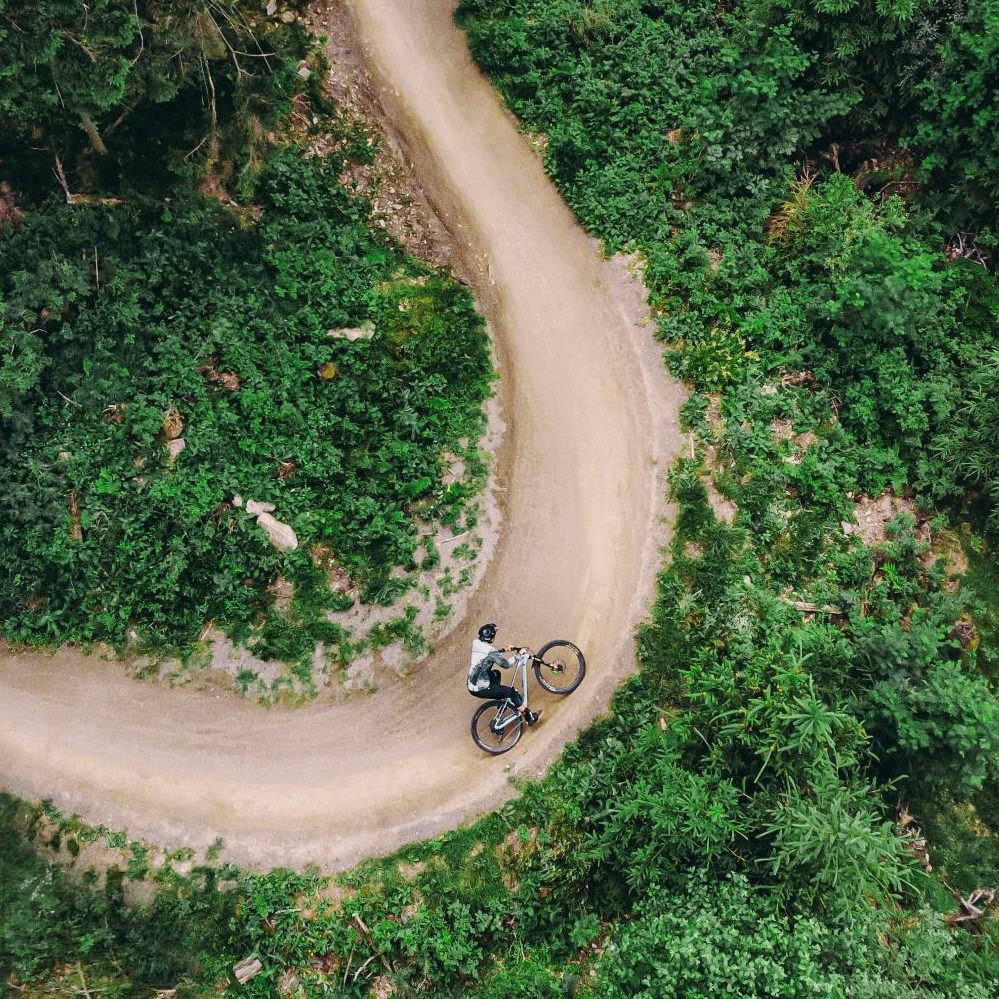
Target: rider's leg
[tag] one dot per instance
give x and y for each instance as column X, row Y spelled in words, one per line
column 501, row 692
column 512, row 695
column 498, row 691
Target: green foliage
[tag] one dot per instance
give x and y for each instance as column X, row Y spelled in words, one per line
column 143, row 85
column 946, row 728
column 667, row 816
column 69, row 64
column 968, row 442
column 114, row 318
column 867, row 303
column 521, row 979
column 716, row 938
column 857, row 43
column 957, row 131
column 727, row 938
column 51, row 918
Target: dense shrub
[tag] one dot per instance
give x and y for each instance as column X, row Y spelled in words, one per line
column 142, row 93
column 116, row 318
column 727, row 938
column 862, row 298
column 957, row 131
column 50, row 918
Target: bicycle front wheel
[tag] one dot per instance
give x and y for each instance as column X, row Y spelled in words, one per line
column 560, row 667
column 496, row 727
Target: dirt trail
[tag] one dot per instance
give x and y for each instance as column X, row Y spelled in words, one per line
column 592, row 427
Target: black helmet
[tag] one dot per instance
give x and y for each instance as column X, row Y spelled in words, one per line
column 487, row 632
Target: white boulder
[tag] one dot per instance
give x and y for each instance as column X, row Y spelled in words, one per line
column 282, row 536
column 255, row 508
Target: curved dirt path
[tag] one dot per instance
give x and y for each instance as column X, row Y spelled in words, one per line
column 591, row 427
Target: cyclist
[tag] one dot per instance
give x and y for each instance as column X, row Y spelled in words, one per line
column 484, row 679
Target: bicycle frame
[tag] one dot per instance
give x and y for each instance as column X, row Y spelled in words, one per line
column 497, row 725
column 503, row 719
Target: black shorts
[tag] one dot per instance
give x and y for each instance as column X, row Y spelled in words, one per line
column 497, row 691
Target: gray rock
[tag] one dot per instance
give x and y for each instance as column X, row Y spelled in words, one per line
column 282, row 536
column 392, row 656
column 364, row 332
column 254, row 507
column 174, row 448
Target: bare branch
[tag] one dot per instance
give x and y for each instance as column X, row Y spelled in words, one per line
column 142, row 40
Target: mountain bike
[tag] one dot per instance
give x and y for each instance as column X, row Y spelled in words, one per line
column 559, row 667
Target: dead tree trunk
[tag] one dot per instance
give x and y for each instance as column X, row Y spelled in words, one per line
column 96, row 142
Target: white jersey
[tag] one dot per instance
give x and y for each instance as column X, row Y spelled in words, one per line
column 479, row 680
column 480, row 650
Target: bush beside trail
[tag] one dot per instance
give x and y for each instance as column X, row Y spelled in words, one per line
column 203, row 314
column 122, row 319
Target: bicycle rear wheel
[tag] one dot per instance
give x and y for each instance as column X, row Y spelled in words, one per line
column 496, row 727
column 561, row 667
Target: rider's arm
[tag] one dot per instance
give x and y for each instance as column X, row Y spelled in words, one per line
column 507, row 663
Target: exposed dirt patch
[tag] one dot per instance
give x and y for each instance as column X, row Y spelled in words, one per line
column 382, row 988
column 282, row 592
column 782, row 430
column 724, row 509
column 947, row 545
column 410, row 872
column 10, row 214
column 873, row 514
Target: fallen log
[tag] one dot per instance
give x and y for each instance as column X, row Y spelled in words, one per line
column 246, row 969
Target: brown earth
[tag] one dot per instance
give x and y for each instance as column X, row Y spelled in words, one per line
column 592, row 427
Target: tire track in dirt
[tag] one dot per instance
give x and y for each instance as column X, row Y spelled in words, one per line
column 592, row 426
